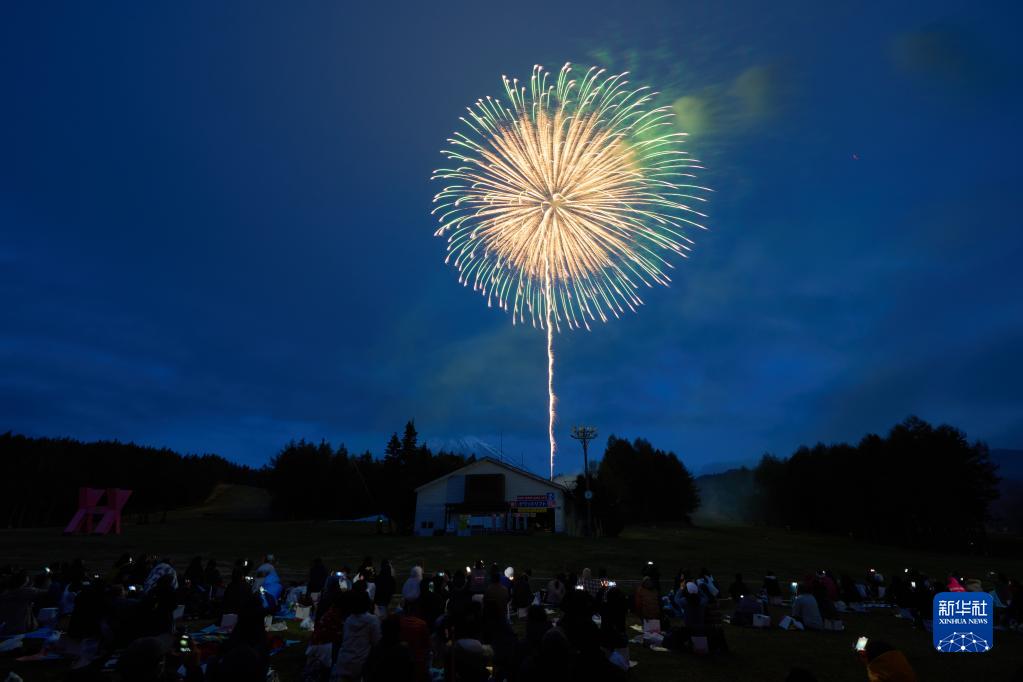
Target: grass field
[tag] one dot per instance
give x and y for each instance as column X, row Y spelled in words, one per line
column 756, row 654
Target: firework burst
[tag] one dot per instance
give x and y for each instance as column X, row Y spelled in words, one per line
column 565, row 199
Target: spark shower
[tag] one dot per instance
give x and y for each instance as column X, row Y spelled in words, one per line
column 565, row 199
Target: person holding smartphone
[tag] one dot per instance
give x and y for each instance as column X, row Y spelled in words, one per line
column 806, row 610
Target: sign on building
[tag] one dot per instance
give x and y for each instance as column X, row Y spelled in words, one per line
column 534, row 501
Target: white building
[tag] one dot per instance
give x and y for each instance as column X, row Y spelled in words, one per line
column 489, row 496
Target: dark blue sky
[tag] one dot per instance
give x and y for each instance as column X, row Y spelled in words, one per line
column 215, row 230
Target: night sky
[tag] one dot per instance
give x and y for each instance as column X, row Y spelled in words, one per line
column 215, row 230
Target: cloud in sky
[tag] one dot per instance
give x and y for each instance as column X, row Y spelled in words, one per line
column 945, row 54
column 223, row 242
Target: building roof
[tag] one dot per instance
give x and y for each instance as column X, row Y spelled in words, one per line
column 504, row 465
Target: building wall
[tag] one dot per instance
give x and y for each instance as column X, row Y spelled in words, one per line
column 430, row 507
column 431, row 499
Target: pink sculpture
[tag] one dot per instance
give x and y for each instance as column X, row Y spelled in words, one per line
column 89, row 507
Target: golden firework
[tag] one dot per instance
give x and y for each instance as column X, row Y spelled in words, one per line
column 565, row 199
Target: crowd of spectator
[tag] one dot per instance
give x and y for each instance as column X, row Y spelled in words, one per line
column 131, row 620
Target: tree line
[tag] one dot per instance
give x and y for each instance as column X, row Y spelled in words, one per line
column 920, row 485
column 633, row 482
column 636, row 483
column 42, row 477
column 306, row 480
column 320, row 481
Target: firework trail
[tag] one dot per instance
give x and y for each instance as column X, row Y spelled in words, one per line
column 564, row 199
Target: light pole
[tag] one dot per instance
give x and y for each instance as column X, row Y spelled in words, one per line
column 585, row 434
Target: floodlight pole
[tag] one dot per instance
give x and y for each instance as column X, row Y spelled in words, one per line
column 585, row 434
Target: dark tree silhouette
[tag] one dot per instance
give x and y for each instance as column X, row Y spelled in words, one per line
column 42, row 477
column 637, row 483
column 316, row 482
column 919, row 486
column 393, row 448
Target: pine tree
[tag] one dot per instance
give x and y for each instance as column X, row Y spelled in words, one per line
column 409, row 439
column 393, row 449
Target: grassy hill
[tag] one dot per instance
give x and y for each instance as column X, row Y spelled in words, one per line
column 237, row 502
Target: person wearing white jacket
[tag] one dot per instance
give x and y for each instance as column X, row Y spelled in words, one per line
column 361, row 632
column 410, row 590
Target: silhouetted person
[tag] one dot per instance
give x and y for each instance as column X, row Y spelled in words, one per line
column 237, row 593
column 737, row 588
column 495, row 599
column 772, row 588
column 390, row 659
column 555, row 590
column 317, row 577
column 414, row 632
column 522, row 593
column 385, row 588
column 164, row 572
column 16, row 605
column 478, row 578
column 195, row 573
column 361, row 632
column 245, row 656
column 211, row 575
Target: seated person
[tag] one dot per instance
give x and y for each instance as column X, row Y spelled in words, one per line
column 522, row 593
column 696, row 608
column 361, row 631
column 848, row 590
column 246, row 653
column 827, row 580
column 613, row 608
column 268, row 565
column 121, row 572
column 478, row 578
column 195, row 575
column 270, row 589
column 713, row 627
column 237, row 593
column 748, row 606
column 555, row 590
column 829, row 613
column 155, row 610
column 390, row 659
column 120, row 617
column 772, row 588
column 495, row 599
column 414, row 633
column 211, row 576
column 806, row 610
column 738, row 588
column 707, row 584
column 196, row 594
column 162, row 572
column 537, row 626
column 648, row 605
column 16, row 605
